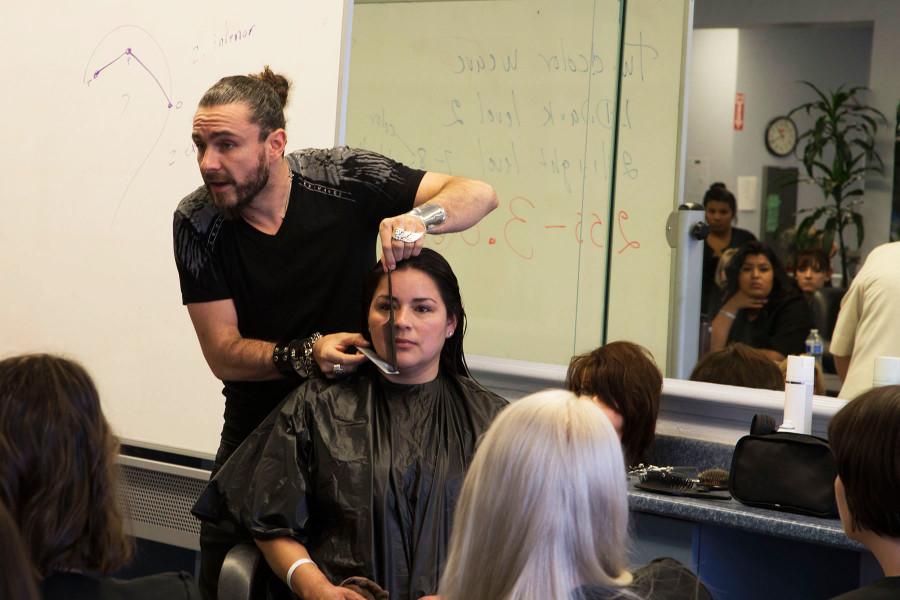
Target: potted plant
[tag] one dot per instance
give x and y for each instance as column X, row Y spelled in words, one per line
column 837, row 151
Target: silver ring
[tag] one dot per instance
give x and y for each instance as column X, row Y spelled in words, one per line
column 407, row 237
column 337, row 369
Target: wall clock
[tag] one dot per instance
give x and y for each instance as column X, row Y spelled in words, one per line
column 781, row 136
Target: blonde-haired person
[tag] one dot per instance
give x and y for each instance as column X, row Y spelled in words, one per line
column 543, row 512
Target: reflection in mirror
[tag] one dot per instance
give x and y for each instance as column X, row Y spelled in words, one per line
column 747, row 61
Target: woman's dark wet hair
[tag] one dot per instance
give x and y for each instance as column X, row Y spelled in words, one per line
column 782, row 285
column 717, row 192
column 453, row 361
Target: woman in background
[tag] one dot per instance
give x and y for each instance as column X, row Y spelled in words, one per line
column 762, row 306
column 544, row 512
column 626, row 383
column 58, row 478
column 721, row 212
column 359, row 478
column 812, row 270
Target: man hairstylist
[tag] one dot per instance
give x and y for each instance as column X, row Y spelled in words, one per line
column 272, row 251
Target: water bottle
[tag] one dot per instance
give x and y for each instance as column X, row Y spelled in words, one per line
column 814, row 346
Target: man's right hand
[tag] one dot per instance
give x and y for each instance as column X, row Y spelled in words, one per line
column 332, row 349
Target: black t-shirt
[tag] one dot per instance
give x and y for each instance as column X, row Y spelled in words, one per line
column 710, row 295
column 886, row 588
column 307, row 277
column 782, row 325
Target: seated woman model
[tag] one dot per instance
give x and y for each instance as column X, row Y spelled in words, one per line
column 544, row 512
column 58, row 478
column 721, row 211
column 865, row 440
column 623, row 378
column 762, row 307
column 360, row 477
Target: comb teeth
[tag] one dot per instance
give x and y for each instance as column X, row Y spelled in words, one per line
column 668, row 480
column 713, row 478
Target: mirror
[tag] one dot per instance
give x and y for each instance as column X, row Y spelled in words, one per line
column 746, row 63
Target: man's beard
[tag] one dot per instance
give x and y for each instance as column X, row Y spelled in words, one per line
column 245, row 192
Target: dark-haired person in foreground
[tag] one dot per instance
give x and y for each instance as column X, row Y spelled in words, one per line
column 359, row 478
column 272, row 251
column 626, row 383
column 762, row 307
column 865, row 440
column 59, row 478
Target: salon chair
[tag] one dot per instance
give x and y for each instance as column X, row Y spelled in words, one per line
column 244, row 574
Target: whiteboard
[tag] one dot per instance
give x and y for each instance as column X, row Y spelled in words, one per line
column 98, row 101
column 523, row 95
column 649, row 172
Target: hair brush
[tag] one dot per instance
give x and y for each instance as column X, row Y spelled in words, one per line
column 713, row 479
column 664, row 482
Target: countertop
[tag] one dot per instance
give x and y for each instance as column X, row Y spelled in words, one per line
column 671, row 450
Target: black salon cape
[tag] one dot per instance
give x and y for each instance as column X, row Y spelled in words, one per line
column 363, row 472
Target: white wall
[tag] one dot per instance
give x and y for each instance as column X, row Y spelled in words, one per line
column 883, row 76
column 765, row 64
column 712, row 84
column 771, row 62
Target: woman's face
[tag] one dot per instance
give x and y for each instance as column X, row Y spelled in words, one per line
column 421, row 324
column 811, row 278
column 719, row 216
column 756, row 276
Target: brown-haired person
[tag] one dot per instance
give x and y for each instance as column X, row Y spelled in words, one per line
column 58, row 478
column 739, row 364
column 272, row 251
column 865, row 440
column 624, row 379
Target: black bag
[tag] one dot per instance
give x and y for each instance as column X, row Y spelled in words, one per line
column 791, row 472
